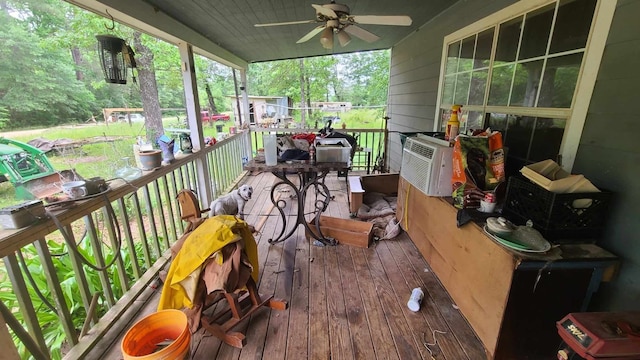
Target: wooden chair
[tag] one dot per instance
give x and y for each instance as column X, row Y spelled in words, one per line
column 242, row 304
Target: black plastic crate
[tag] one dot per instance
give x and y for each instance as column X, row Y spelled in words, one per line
column 561, row 218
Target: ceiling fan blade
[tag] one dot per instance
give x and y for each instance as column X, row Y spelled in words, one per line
column 399, row 20
column 325, row 11
column 361, row 33
column 286, row 23
column 311, row 34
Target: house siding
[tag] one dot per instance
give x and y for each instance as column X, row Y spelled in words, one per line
column 608, row 153
column 415, row 71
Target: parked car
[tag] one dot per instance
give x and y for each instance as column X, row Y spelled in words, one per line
column 215, row 117
column 137, row 118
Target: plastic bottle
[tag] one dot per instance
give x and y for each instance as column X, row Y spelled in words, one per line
column 312, row 154
column 453, row 125
column 270, row 149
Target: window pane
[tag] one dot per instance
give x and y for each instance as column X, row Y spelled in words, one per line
column 474, row 121
column 547, row 137
column 572, row 25
column 466, row 54
column 478, row 87
column 462, row 88
column 500, row 85
column 447, row 91
column 452, row 58
column 483, row 49
column 559, row 81
column 535, row 35
column 525, row 84
column 518, row 136
column 508, row 37
column 497, row 122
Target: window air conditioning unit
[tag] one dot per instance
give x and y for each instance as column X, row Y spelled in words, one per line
column 427, row 165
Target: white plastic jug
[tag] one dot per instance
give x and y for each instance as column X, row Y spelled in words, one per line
column 270, row 149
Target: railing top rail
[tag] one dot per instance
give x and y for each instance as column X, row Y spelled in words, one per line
column 307, row 130
column 13, row 240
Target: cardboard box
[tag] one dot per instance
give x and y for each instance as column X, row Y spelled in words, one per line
column 381, row 183
column 346, row 231
column 550, row 176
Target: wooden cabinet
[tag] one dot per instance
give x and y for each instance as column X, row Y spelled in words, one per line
column 511, row 299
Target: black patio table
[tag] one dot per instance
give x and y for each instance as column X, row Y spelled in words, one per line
column 310, row 175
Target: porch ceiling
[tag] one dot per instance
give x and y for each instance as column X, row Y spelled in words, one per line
column 225, row 28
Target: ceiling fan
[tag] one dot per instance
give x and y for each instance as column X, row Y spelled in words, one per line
column 336, row 19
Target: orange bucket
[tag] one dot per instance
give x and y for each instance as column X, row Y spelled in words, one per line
column 163, row 335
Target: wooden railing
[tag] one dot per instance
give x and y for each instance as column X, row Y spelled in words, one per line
column 115, row 245
column 370, row 143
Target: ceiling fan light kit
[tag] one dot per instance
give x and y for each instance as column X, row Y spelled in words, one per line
column 343, row 38
column 326, row 39
column 337, row 19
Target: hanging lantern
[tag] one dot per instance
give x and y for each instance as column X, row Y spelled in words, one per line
column 185, row 143
column 113, row 52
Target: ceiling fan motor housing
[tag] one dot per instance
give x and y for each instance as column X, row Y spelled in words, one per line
column 338, row 8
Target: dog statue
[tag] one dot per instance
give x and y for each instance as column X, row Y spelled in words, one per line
column 232, row 203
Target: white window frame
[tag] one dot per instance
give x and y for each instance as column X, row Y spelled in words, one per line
column 576, row 115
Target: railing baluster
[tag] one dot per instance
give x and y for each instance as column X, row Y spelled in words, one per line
column 24, row 301
column 96, row 245
column 142, row 231
column 6, row 343
column 187, row 177
column 181, row 174
column 126, row 227
column 160, row 207
column 225, row 168
column 212, row 170
column 78, row 270
column 225, row 164
column 214, row 174
column 115, row 238
column 152, row 221
column 192, row 184
column 174, row 195
column 192, row 175
column 170, row 204
column 56, row 292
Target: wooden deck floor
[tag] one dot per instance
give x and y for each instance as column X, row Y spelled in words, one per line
column 344, row 302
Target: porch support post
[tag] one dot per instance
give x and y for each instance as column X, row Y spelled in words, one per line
column 194, row 120
column 245, row 108
column 245, row 98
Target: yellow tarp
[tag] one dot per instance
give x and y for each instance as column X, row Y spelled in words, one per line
column 211, row 236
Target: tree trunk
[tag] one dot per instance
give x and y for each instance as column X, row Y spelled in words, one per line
column 303, row 100
column 148, row 90
column 308, row 86
column 212, row 103
column 77, row 59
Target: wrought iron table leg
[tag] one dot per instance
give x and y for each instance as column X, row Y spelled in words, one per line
column 301, row 194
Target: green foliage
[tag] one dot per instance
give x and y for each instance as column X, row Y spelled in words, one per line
column 37, row 84
column 4, row 116
column 360, row 78
column 50, row 323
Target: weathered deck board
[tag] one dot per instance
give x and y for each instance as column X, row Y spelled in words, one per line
column 344, row 302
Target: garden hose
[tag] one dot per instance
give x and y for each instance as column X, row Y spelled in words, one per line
column 111, row 218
